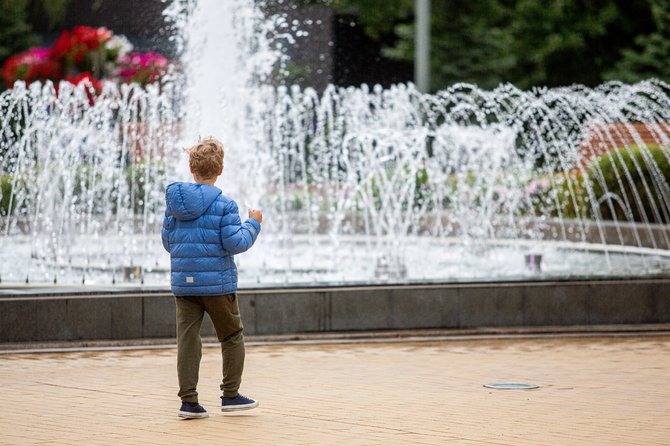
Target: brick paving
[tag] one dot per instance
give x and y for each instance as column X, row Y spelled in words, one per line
column 610, row 390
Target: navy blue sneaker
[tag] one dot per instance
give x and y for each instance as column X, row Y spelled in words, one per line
column 238, row 403
column 192, row 410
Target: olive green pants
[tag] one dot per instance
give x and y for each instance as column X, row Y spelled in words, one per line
column 225, row 314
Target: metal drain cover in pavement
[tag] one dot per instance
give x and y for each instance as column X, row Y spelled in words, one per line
column 511, row 386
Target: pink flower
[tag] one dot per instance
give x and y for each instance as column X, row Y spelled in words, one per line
column 143, row 68
column 537, row 186
column 31, row 65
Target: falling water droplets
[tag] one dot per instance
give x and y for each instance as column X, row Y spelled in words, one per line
column 372, row 168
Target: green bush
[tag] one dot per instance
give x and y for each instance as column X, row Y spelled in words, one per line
column 10, row 186
column 572, row 196
column 618, row 179
column 6, row 192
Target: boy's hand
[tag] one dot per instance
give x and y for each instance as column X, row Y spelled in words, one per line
column 256, row 215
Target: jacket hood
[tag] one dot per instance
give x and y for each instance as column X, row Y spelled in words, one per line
column 188, row 201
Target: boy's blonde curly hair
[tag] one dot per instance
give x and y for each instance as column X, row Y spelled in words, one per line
column 206, row 158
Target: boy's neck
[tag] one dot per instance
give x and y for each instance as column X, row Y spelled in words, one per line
column 210, row 181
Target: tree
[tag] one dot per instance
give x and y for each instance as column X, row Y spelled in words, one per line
column 17, row 20
column 571, row 41
column 15, row 32
column 526, row 42
column 650, row 55
column 470, row 43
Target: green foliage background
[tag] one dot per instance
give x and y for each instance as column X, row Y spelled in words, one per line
column 17, row 19
column 486, row 42
column 15, row 31
column 527, row 42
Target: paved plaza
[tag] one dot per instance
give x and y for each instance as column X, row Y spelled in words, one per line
column 593, row 390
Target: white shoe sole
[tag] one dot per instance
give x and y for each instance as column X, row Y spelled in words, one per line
column 239, row 407
column 189, row 415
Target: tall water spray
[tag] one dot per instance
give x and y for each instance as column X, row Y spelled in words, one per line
column 357, row 184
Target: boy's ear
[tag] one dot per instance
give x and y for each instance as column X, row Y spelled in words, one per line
column 220, row 171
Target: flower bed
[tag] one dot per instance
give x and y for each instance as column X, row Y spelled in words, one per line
column 85, row 55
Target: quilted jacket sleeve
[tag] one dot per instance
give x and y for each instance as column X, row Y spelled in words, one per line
column 167, row 221
column 237, row 237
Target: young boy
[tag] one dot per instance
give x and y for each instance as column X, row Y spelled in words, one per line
column 202, row 231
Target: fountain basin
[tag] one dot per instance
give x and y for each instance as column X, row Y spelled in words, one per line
column 318, row 260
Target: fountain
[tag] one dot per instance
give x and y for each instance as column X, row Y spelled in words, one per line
column 359, row 185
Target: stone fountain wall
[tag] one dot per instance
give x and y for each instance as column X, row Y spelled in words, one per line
column 37, row 316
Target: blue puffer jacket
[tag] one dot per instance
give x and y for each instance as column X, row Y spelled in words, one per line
column 202, row 231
